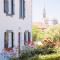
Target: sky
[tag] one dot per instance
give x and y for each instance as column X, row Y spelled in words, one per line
column 52, row 9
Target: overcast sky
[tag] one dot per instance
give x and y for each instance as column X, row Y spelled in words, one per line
column 52, row 9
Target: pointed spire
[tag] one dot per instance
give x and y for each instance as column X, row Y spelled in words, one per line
column 44, row 10
column 44, row 13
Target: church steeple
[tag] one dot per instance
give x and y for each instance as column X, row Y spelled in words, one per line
column 44, row 10
column 44, row 13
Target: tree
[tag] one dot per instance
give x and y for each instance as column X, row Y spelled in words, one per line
column 53, row 32
column 34, row 33
column 37, row 34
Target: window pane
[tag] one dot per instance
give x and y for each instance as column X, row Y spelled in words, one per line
column 10, row 40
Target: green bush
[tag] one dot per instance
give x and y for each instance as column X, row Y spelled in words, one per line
column 31, row 53
column 41, row 35
column 46, row 57
column 13, row 58
column 42, row 57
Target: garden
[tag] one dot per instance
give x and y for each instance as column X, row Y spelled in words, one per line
column 47, row 49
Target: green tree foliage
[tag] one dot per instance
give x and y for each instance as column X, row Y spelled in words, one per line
column 41, row 35
column 53, row 32
column 37, row 34
column 34, row 33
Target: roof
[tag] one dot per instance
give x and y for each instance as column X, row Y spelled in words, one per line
column 39, row 25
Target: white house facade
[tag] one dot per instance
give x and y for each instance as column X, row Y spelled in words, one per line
column 15, row 23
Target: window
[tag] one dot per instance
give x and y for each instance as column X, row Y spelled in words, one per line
column 8, row 39
column 27, row 37
column 9, row 7
column 22, row 9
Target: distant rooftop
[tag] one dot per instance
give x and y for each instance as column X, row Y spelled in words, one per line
column 39, row 25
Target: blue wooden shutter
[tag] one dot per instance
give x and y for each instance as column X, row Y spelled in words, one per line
column 12, row 7
column 24, row 38
column 12, row 39
column 6, row 6
column 5, row 40
column 29, row 37
column 22, row 9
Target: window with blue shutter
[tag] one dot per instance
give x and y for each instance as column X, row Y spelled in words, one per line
column 8, row 39
column 22, row 9
column 9, row 7
column 27, row 37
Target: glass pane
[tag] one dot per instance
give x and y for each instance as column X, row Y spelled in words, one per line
column 9, row 40
column 10, row 6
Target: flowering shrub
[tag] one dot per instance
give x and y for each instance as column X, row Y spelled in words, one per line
column 49, row 42
column 8, row 52
column 53, row 32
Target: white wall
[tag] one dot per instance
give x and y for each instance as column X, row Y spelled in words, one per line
column 14, row 23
